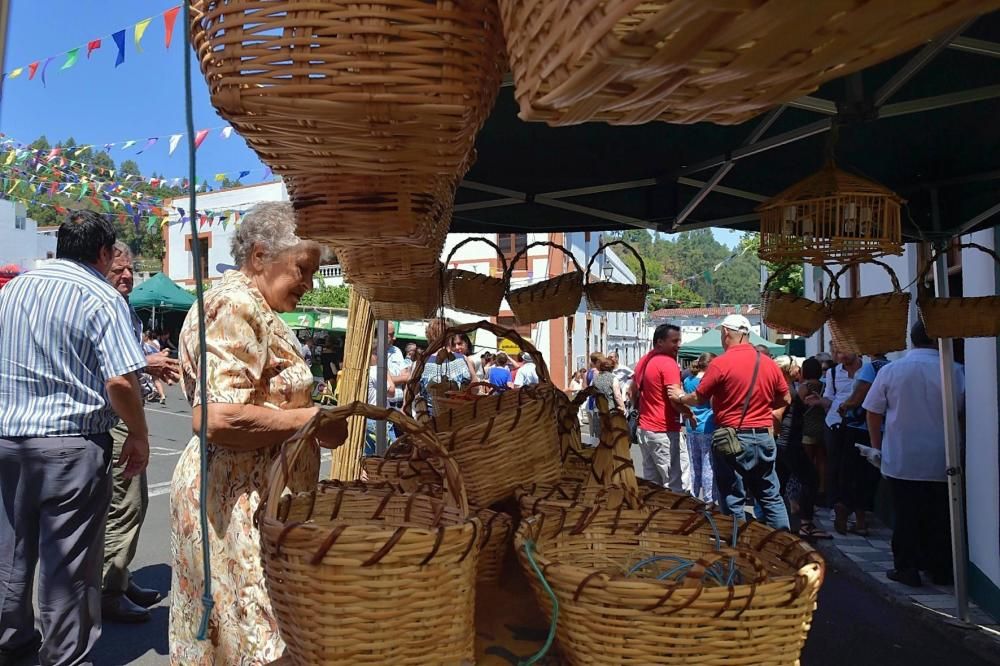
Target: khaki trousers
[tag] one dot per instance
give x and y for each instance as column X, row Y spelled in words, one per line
column 129, row 500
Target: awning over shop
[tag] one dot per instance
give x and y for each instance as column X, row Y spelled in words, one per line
column 711, row 343
column 162, row 293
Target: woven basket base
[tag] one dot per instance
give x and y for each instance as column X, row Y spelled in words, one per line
column 870, row 324
column 550, row 299
column 612, row 297
column 966, row 317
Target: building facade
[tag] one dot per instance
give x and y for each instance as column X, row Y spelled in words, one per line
column 21, row 242
column 971, row 273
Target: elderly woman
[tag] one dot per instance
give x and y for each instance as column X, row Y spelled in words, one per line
column 258, row 395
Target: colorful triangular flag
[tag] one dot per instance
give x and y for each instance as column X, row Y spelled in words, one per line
column 32, row 68
column 174, row 140
column 16, row 73
column 226, row 132
column 199, row 138
column 140, row 30
column 149, row 143
column 169, row 17
column 119, row 38
column 71, row 56
column 92, row 46
column 127, row 145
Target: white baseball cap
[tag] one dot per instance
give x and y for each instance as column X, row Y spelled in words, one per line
column 735, row 322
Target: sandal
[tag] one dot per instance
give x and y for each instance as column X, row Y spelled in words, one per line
column 810, row 531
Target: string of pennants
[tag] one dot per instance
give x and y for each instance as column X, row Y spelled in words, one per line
column 69, row 58
column 707, row 275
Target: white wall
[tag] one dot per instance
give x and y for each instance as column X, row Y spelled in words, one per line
column 178, row 259
column 22, row 247
column 982, row 451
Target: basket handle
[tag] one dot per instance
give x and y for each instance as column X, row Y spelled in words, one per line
column 305, row 439
column 496, row 248
column 937, row 253
column 417, row 370
column 604, row 246
column 524, row 251
column 786, row 267
column 696, row 574
column 611, row 464
column 892, row 275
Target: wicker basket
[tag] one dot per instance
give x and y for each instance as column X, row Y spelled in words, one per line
column 789, row 313
column 870, row 324
column 501, row 440
column 549, row 299
column 831, row 216
column 476, row 293
column 365, row 576
column 405, row 470
column 615, row 296
column 959, row 317
column 610, row 615
column 386, row 87
column 687, row 61
column 373, row 210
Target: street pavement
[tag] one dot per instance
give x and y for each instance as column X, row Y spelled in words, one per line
column 853, row 624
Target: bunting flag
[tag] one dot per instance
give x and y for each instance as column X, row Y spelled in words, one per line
column 32, row 68
column 226, row 132
column 127, row 145
column 149, row 144
column 92, row 46
column 199, row 138
column 140, row 30
column 119, row 38
column 16, row 73
column 242, row 175
column 174, row 140
column 71, row 56
column 45, row 67
column 169, row 18
column 220, row 177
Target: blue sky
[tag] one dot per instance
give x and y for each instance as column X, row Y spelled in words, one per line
column 97, row 103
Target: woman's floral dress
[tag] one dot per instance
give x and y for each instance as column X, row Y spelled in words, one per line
column 253, row 358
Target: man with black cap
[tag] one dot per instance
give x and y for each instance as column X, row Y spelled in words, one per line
column 744, row 387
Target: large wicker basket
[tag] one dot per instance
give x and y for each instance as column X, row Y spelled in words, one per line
column 370, row 576
column 613, row 611
column 831, row 216
column 550, row 298
column 472, row 292
column 870, row 324
column 789, row 313
column 687, row 61
column 959, row 316
column 500, row 440
column 385, row 87
column 616, row 296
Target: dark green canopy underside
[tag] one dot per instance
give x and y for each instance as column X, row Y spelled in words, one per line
column 909, row 153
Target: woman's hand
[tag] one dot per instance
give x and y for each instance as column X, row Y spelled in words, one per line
column 332, row 433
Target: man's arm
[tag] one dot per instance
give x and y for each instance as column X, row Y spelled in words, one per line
column 126, row 400
column 875, row 421
column 162, row 367
column 829, row 391
column 857, row 397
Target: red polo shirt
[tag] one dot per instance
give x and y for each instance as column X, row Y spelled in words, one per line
column 726, row 382
column 654, row 373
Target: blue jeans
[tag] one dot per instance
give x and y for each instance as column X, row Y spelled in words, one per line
column 371, row 445
column 702, row 479
column 752, row 472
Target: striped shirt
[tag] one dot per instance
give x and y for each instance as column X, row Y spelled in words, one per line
column 64, row 331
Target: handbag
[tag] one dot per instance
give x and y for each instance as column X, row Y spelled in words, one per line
column 724, row 440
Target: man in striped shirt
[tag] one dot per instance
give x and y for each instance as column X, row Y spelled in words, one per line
column 68, row 362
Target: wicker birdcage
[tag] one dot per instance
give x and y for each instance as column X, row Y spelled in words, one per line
column 874, row 324
column 551, row 298
column 959, row 316
column 686, row 61
column 472, row 292
column 789, row 313
column 616, row 296
column 831, row 217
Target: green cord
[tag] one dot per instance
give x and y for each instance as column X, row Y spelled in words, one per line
column 529, row 546
column 206, row 599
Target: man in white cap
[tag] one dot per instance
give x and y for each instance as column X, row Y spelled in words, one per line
column 744, row 387
column 527, row 373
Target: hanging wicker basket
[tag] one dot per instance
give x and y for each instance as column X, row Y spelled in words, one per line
column 959, row 316
column 789, row 313
column 354, row 574
column 870, row 324
column 384, row 87
column 615, row 296
column 472, row 292
column 685, row 61
column 831, row 217
column 500, row 440
column 548, row 299
column 613, row 610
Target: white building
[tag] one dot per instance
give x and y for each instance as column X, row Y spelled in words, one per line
column 21, row 243
column 971, row 273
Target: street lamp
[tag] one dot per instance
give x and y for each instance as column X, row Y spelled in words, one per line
column 607, row 269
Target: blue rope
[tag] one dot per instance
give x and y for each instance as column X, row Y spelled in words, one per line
column 529, row 547
column 206, row 554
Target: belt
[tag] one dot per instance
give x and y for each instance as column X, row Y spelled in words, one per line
column 755, row 431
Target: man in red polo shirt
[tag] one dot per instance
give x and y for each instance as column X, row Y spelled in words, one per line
column 727, row 383
column 665, row 459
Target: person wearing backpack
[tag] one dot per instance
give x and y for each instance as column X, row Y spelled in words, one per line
column 860, row 477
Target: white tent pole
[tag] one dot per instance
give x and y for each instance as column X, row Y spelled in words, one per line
column 953, row 458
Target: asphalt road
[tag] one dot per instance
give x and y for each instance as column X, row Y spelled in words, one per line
column 853, row 625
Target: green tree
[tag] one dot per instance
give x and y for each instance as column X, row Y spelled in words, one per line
column 327, row 297
column 790, row 281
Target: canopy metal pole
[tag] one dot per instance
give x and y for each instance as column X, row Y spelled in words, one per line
column 953, row 459
column 381, row 378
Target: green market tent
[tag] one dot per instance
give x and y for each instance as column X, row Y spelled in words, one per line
column 161, row 293
column 711, row 343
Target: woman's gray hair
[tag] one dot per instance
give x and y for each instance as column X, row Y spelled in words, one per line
column 272, row 224
column 121, row 248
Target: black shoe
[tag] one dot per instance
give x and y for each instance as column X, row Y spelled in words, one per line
column 118, row 608
column 910, row 577
column 15, row 656
column 142, row 596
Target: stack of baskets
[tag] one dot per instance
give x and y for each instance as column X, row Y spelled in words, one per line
column 370, row 113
